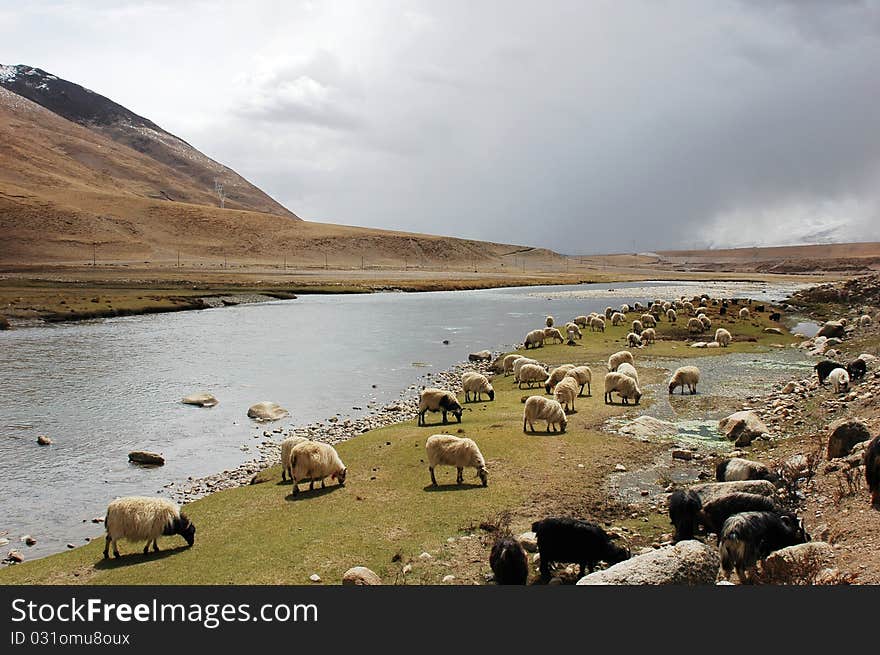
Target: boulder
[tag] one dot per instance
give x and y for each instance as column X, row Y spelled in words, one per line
column 832, row 329
column 267, row 411
column 4, row 323
column 529, row 542
column 482, row 356
column 688, row 562
column 799, row 564
column 200, row 399
column 360, row 575
column 648, row 426
column 742, row 427
column 146, row 457
column 844, row 434
column 43, row 440
column 710, row 491
column 15, row 556
column 772, row 330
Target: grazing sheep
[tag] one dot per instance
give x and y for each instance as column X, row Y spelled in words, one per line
column 872, row 470
column 624, row 385
column 549, row 321
column 775, row 316
column 438, row 400
column 140, row 518
column 617, row 318
column 518, row 364
column 460, row 452
column 608, row 312
column 671, row 315
column 637, row 326
column 534, row 339
column 688, row 306
column 313, row 460
column 618, row 358
column 707, row 324
column 649, row 336
column 685, row 376
column 864, row 320
column 583, row 376
column 723, row 337
column 508, row 361
column 597, row 324
column 509, row 562
column 684, row 513
column 717, row 511
column 566, row 392
column 628, row 369
column 573, row 332
column 531, row 374
column 824, row 368
column 744, row 313
column 539, row 408
column 648, row 320
column 633, row 340
column 695, row 326
column 553, row 333
column 839, row 379
column 581, row 321
column 750, row 536
column 476, row 384
column 734, row 469
column 624, row 309
column 565, row 539
column 286, row 448
column 556, row 376
column 857, row 368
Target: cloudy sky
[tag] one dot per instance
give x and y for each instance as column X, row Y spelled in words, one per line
column 583, row 126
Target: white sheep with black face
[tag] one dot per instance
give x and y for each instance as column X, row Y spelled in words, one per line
column 438, row 400
column 313, row 460
column 142, row 518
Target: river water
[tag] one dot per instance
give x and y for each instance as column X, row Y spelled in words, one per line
column 100, row 389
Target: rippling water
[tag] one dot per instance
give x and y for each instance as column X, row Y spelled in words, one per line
column 101, row 389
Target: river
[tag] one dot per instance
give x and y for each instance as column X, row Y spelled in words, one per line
column 100, row 389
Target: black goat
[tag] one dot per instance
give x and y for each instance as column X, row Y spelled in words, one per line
column 717, row 511
column 684, row 513
column 564, row 539
column 857, row 368
column 751, row 536
column 872, row 470
column 776, row 316
column 824, row 368
column 508, row 561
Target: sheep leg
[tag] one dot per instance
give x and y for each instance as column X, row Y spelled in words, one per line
column 444, row 417
column 155, row 546
column 147, row 548
column 312, row 484
column 433, row 479
column 107, row 541
column 459, row 479
column 295, row 486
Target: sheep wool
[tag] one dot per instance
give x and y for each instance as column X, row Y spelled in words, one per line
column 141, row 518
column 549, row 321
column 649, row 335
column 597, row 324
column 518, row 364
column 695, row 326
column 671, row 315
column 566, row 392
column 460, row 452
column 438, row 400
column 723, row 337
column 476, row 384
column 531, row 374
column 583, row 376
column 539, row 408
column 685, row 376
column 556, row 376
column 628, row 369
column 744, row 312
column 633, row 340
column 617, row 318
column 553, row 333
column 839, row 379
column 534, row 339
column 624, row 385
column 637, row 326
column 314, row 460
column 508, row 362
column 618, row 358
column 286, row 448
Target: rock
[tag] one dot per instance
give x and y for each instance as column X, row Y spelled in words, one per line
column 448, row 578
column 742, row 427
column 620, row 468
column 772, row 330
column 360, row 575
column 146, row 457
column 832, row 329
column 15, row 556
column 267, row 411
column 697, row 344
column 71, row 545
column 648, row 426
column 710, row 491
column 789, row 388
column 392, row 408
column 314, row 577
column 529, row 541
column 686, row 563
column 43, row 440
column 28, row 540
column 844, row 434
column 407, row 569
column 868, row 359
column 200, row 399
column 679, row 453
column 797, row 564
column 4, row 541
column 482, row 356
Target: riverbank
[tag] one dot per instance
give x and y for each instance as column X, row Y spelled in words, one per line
column 33, row 295
column 386, row 516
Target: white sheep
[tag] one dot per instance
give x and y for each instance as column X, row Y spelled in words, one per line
column 617, row 318
column 531, row 374
column 648, row 320
column 671, row 315
column 624, row 385
column 313, row 460
column 637, row 326
column 581, row 321
column 624, row 309
column 539, row 408
column 628, row 369
column 141, row 518
column 618, row 358
column 556, row 376
column 460, row 452
column 508, row 362
column 573, row 332
column 597, row 325
column 566, row 392
column 534, row 339
column 583, row 376
column 476, row 384
column 695, row 326
column 744, row 312
column 553, row 333
column 549, row 321
column 839, row 379
column 688, row 306
column 518, row 364
column 286, row 448
column 633, row 340
column 649, row 335
column 685, row 376
column 706, row 321
column 723, row 337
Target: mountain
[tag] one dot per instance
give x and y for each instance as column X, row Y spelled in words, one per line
column 194, row 173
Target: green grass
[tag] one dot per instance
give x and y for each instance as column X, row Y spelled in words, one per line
column 260, row 535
